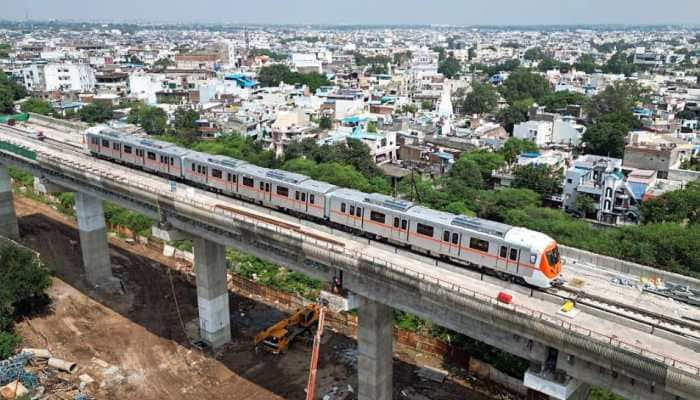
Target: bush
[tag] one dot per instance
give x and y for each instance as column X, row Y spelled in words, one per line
column 8, row 344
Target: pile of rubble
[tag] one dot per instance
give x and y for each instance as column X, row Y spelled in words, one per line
column 35, row 374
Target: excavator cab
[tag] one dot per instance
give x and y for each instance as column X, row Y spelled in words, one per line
column 277, row 337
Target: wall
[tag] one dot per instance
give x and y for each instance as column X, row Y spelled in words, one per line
column 57, row 123
column 683, row 175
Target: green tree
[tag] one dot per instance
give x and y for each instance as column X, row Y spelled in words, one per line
column 96, row 113
column 482, row 99
column 586, row 63
column 5, row 49
column 514, row 114
column 372, row 127
column 556, row 101
column 619, row 98
column 465, row 173
column 325, row 122
column 8, row 344
column 678, row 206
column 584, row 205
column 542, row 179
column 487, row 161
column 37, row 105
column 10, row 91
column 523, row 84
column 687, row 114
column 23, row 284
column 534, row 54
column 494, row 204
column 426, row 105
column 450, row 67
column 605, row 139
column 273, row 75
column 153, row 120
column 514, row 147
column 163, row 63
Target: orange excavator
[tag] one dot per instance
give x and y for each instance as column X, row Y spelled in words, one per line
column 278, row 337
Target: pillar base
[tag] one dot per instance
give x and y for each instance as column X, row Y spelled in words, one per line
column 375, row 336
column 212, row 292
column 556, row 389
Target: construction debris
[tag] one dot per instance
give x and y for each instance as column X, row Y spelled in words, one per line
column 38, row 353
column 432, row 374
column 13, row 390
column 63, row 365
column 676, row 292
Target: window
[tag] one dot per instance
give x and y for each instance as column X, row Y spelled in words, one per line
column 282, row 191
column 396, row 222
column 426, row 230
column 303, row 197
column 358, row 212
column 312, row 199
column 151, row 155
column 228, row 176
column 296, row 195
column 504, row 252
column 455, row 238
column 404, row 224
column 199, row 169
column 216, row 173
column 342, row 207
column 513, row 254
column 248, row 182
column 446, row 236
column 127, row 149
column 105, row 143
column 172, row 161
column 262, row 186
column 478, row 244
column 377, row 217
column 94, row 140
column 267, row 187
column 193, row 167
column 352, row 210
column 235, row 178
column 569, row 181
column 115, row 146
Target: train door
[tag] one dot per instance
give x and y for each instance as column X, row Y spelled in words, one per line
column 304, row 205
column 449, row 245
column 513, row 260
column 267, row 195
column 396, row 232
column 502, row 260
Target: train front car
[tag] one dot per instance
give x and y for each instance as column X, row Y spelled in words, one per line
column 545, row 260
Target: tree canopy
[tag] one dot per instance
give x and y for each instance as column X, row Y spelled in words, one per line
column 482, row 99
column 96, row 113
column 37, row 106
column 450, row 67
column 523, row 84
column 153, row 120
column 10, row 91
column 556, row 101
column 606, row 139
column 273, row 75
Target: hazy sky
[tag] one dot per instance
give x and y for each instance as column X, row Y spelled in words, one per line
column 460, row 12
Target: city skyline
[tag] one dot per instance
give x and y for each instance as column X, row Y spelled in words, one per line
column 510, row 12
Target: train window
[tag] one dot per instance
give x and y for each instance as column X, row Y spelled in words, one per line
column 235, row 178
column 262, row 186
column 296, row 195
column 267, row 187
column 228, row 176
column 342, row 207
column 404, row 224
column 504, row 252
column 172, row 161
column 513, row 254
column 248, row 182
column 478, row 244
column 455, row 238
column 216, row 173
column 127, row 149
column 94, row 140
column 282, row 191
column 105, row 143
column 425, row 230
column 312, row 199
column 358, row 212
column 352, row 210
column 193, row 167
column 396, row 222
column 377, row 217
column 303, row 197
column 115, row 146
column 151, row 155
column 446, row 236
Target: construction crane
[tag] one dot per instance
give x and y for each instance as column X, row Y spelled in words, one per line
column 277, row 337
column 313, row 367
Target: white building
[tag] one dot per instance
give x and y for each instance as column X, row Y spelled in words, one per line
column 69, row 78
column 304, row 62
column 538, row 132
column 566, row 131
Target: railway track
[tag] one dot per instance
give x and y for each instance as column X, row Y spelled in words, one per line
column 681, row 326
column 685, row 327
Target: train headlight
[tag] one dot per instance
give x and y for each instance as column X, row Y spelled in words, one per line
column 533, row 258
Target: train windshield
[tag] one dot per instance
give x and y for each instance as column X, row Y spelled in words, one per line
column 553, row 256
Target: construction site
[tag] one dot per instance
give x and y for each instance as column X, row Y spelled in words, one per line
column 142, row 342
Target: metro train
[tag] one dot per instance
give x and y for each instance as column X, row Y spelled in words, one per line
column 510, row 252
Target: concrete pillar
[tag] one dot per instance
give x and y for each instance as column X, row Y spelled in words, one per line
column 8, row 217
column 375, row 350
column 93, row 239
column 212, row 292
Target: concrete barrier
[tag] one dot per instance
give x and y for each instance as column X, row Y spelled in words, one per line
column 626, row 267
column 57, row 123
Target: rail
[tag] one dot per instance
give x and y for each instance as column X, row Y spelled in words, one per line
column 380, row 262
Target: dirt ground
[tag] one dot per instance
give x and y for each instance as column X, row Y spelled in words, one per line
column 135, row 345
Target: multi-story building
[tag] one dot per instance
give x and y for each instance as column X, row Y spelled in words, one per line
column 602, row 180
column 538, row 132
column 657, row 152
